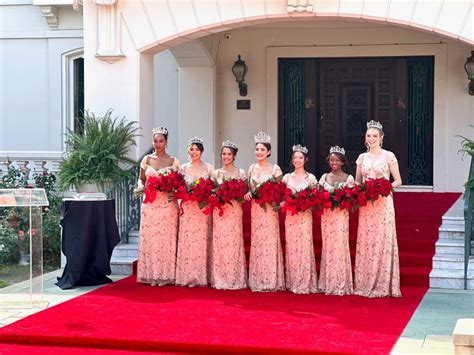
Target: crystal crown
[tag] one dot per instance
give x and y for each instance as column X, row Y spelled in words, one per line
column 195, row 140
column 300, row 148
column 262, row 137
column 337, row 149
column 374, row 124
column 229, row 144
column 160, row 130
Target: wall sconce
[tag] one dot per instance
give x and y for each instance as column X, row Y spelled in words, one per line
column 469, row 67
column 240, row 69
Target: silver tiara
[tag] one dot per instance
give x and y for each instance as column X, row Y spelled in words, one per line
column 195, row 140
column 374, row 124
column 337, row 149
column 229, row 144
column 160, row 130
column 300, row 148
column 262, row 137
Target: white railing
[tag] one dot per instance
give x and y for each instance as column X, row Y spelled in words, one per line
column 31, row 162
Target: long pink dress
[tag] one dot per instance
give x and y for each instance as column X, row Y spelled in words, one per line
column 228, row 265
column 377, row 270
column 300, row 262
column 335, row 277
column 158, row 232
column 266, row 258
column 194, row 239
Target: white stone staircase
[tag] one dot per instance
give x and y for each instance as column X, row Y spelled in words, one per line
column 124, row 255
column 448, row 261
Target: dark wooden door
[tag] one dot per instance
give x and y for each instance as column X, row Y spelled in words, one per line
column 327, row 102
column 352, row 92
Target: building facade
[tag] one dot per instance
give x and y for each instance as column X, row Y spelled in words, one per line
column 317, row 70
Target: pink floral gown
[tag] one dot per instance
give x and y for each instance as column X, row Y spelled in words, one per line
column 377, row 270
column 266, row 257
column 158, row 231
column 300, row 263
column 194, row 238
column 228, row 265
column 335, row 277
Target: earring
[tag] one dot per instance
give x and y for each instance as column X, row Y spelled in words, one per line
column 366, row 146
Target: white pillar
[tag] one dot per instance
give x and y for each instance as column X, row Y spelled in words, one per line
column 123, row 83
column 197, row 110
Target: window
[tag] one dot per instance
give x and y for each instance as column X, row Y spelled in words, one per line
column 72, row 90
column 78, row 94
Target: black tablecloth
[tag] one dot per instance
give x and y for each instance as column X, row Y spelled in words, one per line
column 89, row 235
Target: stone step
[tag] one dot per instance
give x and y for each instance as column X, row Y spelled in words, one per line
column 451, row 262
column 122, row 265
column 451, row 279
column 453, row 220
column 449, row 246
column 125, row 250
column 449, row 231
column 133, row 236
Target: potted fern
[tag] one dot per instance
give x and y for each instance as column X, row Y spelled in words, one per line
column 96, row 158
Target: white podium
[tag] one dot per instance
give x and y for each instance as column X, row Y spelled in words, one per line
column 27, row 205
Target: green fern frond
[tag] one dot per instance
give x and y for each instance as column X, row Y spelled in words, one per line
column 100, row 153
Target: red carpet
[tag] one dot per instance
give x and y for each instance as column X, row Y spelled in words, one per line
column 134, row 317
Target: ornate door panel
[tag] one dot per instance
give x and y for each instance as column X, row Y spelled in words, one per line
column 352, row 92
column 356, row 106
column 326, row 102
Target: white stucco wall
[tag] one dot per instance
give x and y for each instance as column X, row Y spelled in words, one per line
column 453, row 106
column 166, row 97
column 31, row 76
column 196, row 110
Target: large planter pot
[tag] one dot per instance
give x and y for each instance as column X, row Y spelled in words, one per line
column 94, row 187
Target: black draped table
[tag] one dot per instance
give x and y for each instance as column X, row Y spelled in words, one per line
column 89, row 235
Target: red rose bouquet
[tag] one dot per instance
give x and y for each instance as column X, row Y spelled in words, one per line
column 298, row 202
column 374, row 188
column 228, row 191
column 168, row 182
column 345, row 197
column 200, row 191
column 271, row 192
column 320, row 200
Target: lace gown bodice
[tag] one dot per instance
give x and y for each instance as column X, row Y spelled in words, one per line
column 150, row 171
column 220, row 175
column 256, row 178
column 376, row 166
column 309, row 181
column 328, row 187
column 189, row 177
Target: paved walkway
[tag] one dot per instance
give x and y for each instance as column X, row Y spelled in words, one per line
column 428, row 332
column 431, row 326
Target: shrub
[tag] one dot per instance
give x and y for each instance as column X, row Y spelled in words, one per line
column 14, row 222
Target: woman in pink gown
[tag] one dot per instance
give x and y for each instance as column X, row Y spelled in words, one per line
column 266, row 257
column 194, row 235
column 300, row 263
column 159, row 219
column 228, row 266
column 335, row 277
column 377, row 271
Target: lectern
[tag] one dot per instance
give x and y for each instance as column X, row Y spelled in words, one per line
column 29, row 204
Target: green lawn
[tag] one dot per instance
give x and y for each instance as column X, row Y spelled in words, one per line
column 14, row 273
